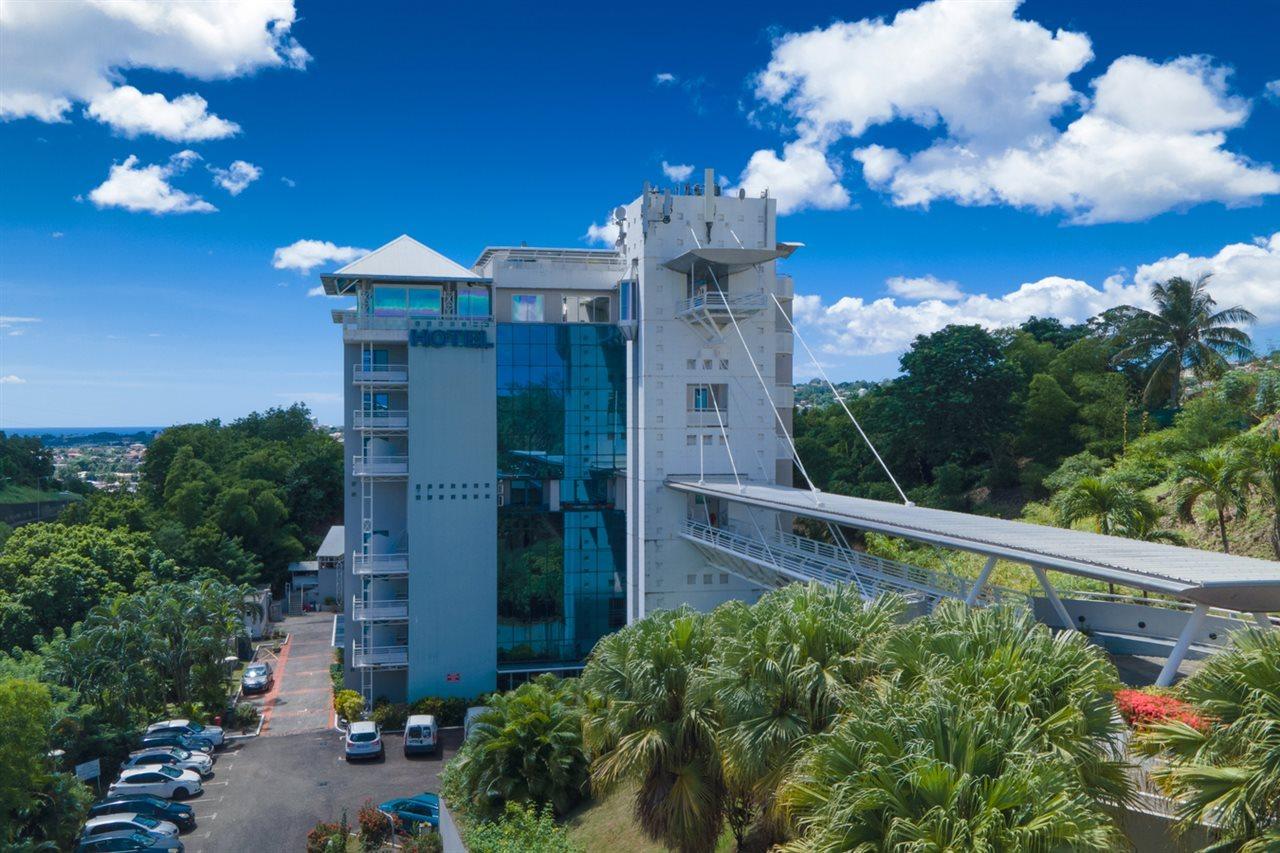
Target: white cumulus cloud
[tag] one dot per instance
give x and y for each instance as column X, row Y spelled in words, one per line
column 990, row 86
column 923, row 287
column 801, row 178
column 60, row 53
column 606, row 234
column 184, row 119
column 677, row 171
column 11, row 379
column 147, row 189
column 665, row 78
column 1273, row 89
column 305, row 255
column 1246, row 274
column 236, row 177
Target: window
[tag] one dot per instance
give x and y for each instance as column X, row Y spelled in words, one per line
column 724, row 364
column 377, row 401
column 625, row 288
column 690, row 440
column 374, row 359
column 425, row 301
column 473, row 301
column 706, row 364
column 527, row 308
column 707, row 398
column 389, row 301
column 691, row 363
column 584, row 309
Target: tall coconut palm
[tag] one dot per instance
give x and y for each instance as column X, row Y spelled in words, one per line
column 795, row 659
column 1220, row 475
column 1184, row 331
column 1229, row 774
column 645, row 724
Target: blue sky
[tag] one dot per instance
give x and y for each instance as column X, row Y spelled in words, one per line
column 957, row 162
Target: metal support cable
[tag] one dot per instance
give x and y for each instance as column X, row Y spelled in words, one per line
column 840, row 399
column 760, row 378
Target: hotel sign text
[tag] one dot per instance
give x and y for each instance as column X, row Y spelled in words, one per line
column 472, row 338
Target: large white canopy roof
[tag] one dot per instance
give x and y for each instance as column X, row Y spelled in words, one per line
column 403, row 259
column 1220, row 580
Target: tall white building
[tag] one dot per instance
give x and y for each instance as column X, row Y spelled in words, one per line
column 509, row 428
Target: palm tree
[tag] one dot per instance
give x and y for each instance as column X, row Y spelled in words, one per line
column 527, row 748
column 1109, row 502
column 1183, row 332
column 796, row 657
column 1262, row 460
column 921, row 769
column 1218, row 474
column 644, row 724
column 1229, row 774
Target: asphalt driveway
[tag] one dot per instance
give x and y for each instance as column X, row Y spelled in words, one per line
column 267, row 793
column 302, row 699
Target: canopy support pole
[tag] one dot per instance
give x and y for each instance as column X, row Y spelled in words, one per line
column 983, row 577
column 1052, row 595
column 1194, row 623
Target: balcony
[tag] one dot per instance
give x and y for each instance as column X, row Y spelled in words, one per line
column 380, row 467
column 388, row 610
column 704, row 418
column 719, row 304
column 386, row 565
column 385, row 420
column 380, row 657
column 372, row 328
column 380, row 374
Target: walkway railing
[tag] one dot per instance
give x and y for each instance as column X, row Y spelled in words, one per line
column 383, row 657
column 809, row 559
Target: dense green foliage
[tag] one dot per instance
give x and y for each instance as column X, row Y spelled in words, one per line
column 1229, row 772
column 527, row 748
column 817, row 721
column 24, row 461
column 520, row 829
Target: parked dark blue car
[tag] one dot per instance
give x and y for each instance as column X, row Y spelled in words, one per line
column 145, row 804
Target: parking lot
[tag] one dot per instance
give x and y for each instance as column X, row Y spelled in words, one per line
column 267, row 793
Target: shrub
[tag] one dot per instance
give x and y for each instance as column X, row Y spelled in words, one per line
column 349, row 705
column 329, row 837
column 375, row 827
column 526, row 748
column 448, row 710
column 246, row 716
column 521, row 829
column 1140, row 709
column 390, row 716
column 425, row 842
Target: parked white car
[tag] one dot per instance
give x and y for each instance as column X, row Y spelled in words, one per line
column 364, row 740
column 158, row 779
column 98, row 826
column 174, row 756
column 213, row 734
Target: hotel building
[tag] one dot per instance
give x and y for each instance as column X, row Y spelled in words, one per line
column 510, row 427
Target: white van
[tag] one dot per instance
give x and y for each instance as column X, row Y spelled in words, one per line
column 421, row 734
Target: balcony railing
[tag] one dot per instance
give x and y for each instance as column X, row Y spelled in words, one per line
column 354, row 321
column 706, row 418
column 380, row 374
column 380, row 466
column 388, row 610
column 384, row 419
column 380, row 657
column 380, row 564
column 716, row 302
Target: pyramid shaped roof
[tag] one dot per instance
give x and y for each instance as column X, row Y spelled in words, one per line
column 406, row 258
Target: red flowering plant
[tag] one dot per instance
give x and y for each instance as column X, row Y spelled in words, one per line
column 1141, row 709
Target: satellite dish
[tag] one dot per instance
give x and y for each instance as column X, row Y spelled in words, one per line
column 619, row 213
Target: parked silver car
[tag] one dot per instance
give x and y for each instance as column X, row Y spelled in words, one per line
column 257, row 678
column 175, row 756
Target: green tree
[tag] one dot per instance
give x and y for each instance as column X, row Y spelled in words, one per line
column 1229, row 774
column 1111, row 504
column 1047, row 418
column 1184, row 331
column 1262, row 461
column 956, row 393
column 795, row 659
column 643, row 725
column 1219, row 475
column 526, row 749
column 25, row 710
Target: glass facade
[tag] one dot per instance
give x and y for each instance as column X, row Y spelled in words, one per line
column 561, row 451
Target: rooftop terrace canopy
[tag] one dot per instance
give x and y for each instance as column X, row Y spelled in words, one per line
column 1218, row 580
column 404, row 259
column 734, row 260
